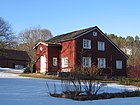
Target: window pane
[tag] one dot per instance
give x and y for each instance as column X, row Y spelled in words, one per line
column 94, row 33
column 86, row 61
column 101, row 46
column 101, row 62
column 19, row 66
column 118, row 64
column 54, row 61
column 65, row 62
column 86, row 43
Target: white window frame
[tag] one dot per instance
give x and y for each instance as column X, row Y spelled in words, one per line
column 86, row 44
column 65, row 62
column 54, row 61
column 94, row 33
column 87, row 62
column 101, row 62
column 119, row 64
column 101, row 46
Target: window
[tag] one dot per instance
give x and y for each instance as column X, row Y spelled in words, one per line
column 118, row 64
column 65, row 62
column 19, row 66
column 54, row 61
column 101, row 46
column 94, row 33
column 41, row 48
column 86, row 44
column 101, row 63
column 86, row 61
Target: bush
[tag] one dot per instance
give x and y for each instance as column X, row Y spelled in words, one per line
column 27, row 70
column 80, row 80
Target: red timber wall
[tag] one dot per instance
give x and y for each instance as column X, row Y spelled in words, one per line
column 53, row 51
column 40, row 53
column 111, row 53
column 68, row 50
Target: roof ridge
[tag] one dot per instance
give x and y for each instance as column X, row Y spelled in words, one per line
column 12, row 50
column 69, row 35
column 76, row 31
column 14, row 54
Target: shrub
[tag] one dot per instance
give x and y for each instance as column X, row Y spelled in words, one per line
column 81, row 80
column 27, row 70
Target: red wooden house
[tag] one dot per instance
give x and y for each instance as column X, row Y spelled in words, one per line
column 89, row 46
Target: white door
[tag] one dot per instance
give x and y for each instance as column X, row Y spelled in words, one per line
column 43, row 64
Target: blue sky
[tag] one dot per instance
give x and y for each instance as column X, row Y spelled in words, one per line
column 121, row 17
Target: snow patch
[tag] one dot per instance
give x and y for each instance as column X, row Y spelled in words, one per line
column 12, row 70
column 10, row 75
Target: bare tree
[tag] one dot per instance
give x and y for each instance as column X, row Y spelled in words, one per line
column 34, row 35
column 29, row 37
column 7, row 39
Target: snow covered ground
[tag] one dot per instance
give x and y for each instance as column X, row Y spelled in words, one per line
column 9, row 75
column 12, row 70
column 16, row 90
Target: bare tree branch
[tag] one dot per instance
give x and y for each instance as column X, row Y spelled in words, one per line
column 7, row 39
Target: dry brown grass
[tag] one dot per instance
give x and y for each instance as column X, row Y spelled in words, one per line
column 38, row 75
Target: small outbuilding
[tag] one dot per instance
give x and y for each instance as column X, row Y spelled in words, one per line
column 13, row 58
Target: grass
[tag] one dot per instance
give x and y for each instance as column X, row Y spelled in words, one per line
column 130, row 81
column 38, row 75
column 124, row 81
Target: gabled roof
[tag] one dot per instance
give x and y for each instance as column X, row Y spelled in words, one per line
column 79, row 33
column 68, row 36
column 14, row 55
column 46, row 44
column 39, row 44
